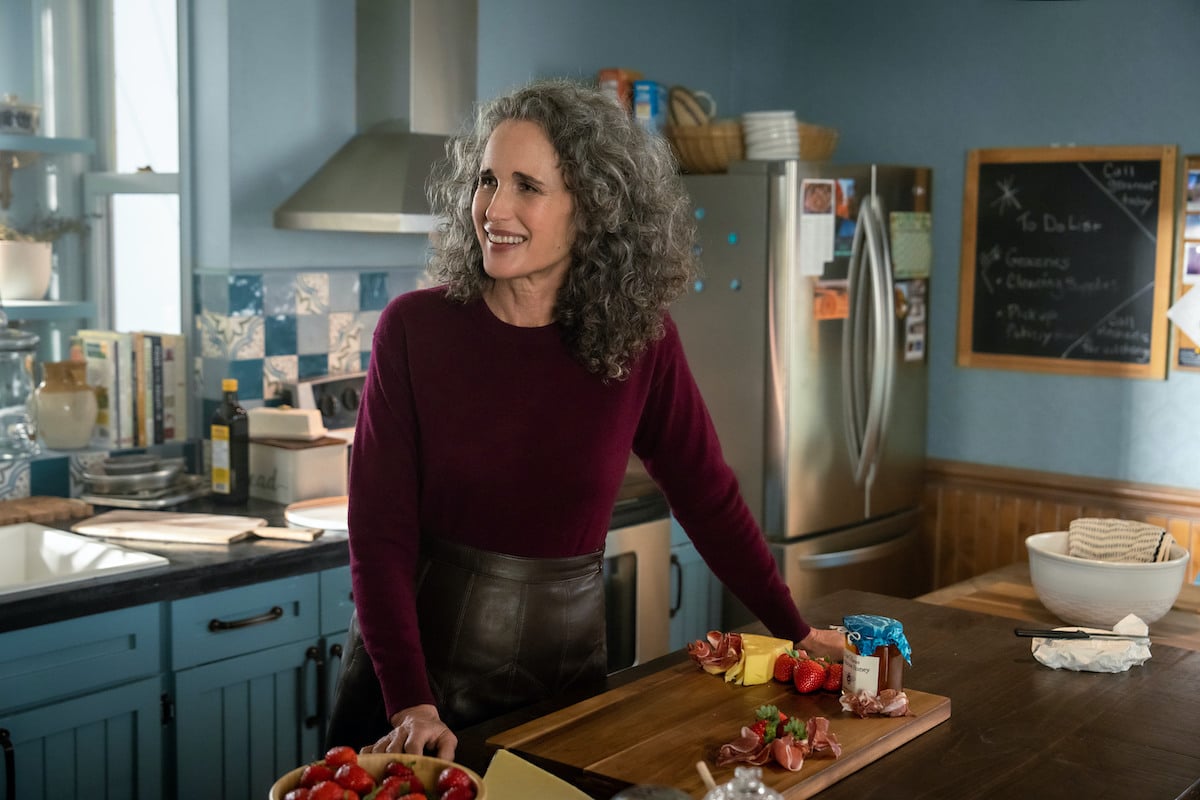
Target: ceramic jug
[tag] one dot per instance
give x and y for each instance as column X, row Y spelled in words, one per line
column 66, row 406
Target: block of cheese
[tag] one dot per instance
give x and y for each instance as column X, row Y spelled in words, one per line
column 757, row 664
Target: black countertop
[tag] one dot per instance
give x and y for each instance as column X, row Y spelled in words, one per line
column 193, row 569
column 199, row 569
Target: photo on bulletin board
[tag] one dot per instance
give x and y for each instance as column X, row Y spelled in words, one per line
column 1191, row 262
column 1191, row 226
column 1184, row 312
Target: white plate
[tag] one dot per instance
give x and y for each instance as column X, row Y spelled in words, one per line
column 327, row 513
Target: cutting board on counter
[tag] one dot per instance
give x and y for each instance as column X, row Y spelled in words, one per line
column 42, row 509
column 654, row 731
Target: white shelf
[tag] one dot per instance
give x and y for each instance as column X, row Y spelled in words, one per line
column 48, row 309
column 45, row 144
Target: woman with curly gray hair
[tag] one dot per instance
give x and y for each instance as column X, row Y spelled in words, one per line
column 498, row 416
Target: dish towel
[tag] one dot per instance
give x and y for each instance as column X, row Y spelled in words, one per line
column 1121, row 540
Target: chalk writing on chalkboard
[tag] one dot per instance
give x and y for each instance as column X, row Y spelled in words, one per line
column 1065, row 260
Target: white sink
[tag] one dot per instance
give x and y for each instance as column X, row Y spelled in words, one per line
column 36, row 556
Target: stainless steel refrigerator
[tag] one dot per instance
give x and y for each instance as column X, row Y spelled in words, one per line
column 806, row 333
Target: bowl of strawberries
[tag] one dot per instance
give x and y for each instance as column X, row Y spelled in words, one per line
column 344, row 774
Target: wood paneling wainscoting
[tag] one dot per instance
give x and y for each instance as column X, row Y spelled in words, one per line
column 976, row 516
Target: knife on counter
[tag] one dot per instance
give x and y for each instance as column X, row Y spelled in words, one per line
column 1045, row 633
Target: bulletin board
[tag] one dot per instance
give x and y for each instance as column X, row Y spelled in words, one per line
column 1066, row 259
column 1187, row 351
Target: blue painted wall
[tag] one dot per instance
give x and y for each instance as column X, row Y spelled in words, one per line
column 925, row 81
column 922, row 81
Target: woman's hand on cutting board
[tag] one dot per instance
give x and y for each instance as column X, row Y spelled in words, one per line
column 416, row 730
column 828, row 644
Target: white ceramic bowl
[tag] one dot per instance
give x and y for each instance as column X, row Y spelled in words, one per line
column 1099, row 594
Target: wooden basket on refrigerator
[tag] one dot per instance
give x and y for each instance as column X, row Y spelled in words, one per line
column 817, row 142
column 703, row 149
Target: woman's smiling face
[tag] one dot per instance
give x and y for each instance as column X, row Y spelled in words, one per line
column 522, row 209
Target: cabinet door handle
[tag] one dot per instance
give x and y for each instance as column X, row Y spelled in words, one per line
column 215, row 625
column 313, row 654
column 677, row 568
column 10, row 765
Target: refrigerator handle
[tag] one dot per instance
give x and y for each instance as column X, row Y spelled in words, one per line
column 853, row 352
column 881, row 350
column 881, row 341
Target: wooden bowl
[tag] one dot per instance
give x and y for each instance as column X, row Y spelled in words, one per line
column 427, row 768
column 708, row 148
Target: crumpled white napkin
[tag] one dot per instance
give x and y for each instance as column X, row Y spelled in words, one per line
column 1096, row 655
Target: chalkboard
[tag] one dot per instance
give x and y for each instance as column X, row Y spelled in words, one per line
column 1066, row 259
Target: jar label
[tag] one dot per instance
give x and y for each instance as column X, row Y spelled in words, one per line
column 860, row 673
column 221, row 478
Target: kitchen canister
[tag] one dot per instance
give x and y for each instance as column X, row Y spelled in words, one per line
column 65, row 406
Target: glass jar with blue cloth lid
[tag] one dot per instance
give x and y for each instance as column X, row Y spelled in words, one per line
column 876, row 649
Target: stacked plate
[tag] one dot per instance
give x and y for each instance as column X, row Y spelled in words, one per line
column 771, row 134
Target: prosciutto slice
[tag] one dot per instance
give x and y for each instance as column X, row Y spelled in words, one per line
column 717, row 652
column 746, row 749
column 888, row 703
column 787, row 751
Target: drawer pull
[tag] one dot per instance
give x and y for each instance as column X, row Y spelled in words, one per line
column 10, row 766
column 215, row 625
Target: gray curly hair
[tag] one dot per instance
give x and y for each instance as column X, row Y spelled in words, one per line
column 633, row 248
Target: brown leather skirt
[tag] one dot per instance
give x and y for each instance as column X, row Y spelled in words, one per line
column 499, row 632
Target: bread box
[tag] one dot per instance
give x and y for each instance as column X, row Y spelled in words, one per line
column 287, row 470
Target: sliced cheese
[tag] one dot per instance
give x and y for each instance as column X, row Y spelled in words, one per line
column 757, row 664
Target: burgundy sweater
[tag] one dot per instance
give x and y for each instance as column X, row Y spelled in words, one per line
column 494, row 436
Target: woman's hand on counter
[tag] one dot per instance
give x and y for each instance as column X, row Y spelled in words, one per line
column 829, row 644
column 416, row 730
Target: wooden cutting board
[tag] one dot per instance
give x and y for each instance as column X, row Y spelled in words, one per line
column 42, row 509
column 654, row 730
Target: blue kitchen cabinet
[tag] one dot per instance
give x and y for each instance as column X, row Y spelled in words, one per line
column 81, row 707
column 248, row 706
column 695, row 592
column 105, row 744
column 337, row 604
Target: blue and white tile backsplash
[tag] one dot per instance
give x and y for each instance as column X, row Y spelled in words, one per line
column 264, row 329
column 273, row 328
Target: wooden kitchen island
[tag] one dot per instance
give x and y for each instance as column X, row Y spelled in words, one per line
column 1017, row 728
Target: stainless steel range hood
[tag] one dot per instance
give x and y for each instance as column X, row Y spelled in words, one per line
column 415, row 84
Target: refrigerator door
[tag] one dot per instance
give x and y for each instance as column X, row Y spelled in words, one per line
column 770, row 363
column 882, row 556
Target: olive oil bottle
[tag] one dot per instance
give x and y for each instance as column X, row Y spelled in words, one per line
column 230, row 433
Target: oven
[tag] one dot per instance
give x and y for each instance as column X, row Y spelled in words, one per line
column 637, row 565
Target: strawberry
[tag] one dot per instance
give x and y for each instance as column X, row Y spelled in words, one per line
column 336, row 756
column 297, row 794
column 453, row 776
column 401, row 785
column 458, row 793
column 314, row 774
column 328, row 790
column 809, row 675
column 759, row 729
column 796, row 728
column 354, row 778
column 399, row 769
column 833, row 679
column 785, row 665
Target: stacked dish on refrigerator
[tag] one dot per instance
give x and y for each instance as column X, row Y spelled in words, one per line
column 771, row 135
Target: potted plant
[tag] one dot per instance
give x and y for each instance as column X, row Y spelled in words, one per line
column 26, row 254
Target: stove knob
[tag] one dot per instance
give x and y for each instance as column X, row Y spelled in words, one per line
column 327, row 405
column 349, row 398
